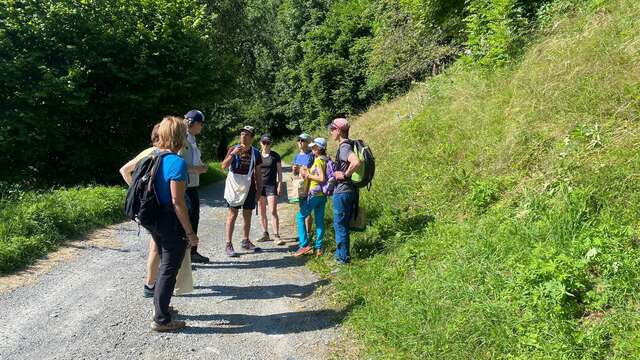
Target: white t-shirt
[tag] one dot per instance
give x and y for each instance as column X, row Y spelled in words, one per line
column 193, row 157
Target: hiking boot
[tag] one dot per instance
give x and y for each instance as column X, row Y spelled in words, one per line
column 319, row 252
column 173, row 325
column 248, row 245
column 148, row 291
column 230, row 251
column 277, row 240
column 197, row 258
column 303, row 251
column 264, row 238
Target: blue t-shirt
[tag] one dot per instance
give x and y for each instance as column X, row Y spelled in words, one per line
column 172, row 167
column 305, row 159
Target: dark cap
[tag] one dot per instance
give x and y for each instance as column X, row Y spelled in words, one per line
column 195, row 116
column 266, row 138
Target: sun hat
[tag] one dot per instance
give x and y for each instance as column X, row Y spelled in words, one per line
column 319, row 142
column 304, row 136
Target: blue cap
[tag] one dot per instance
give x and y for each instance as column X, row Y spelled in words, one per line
column 319, row 142
column 195, row 116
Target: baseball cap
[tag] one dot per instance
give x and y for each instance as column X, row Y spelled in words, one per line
column 195, row 116
column 250, row 129
column 304, row 136
column 266, row 138
column 319, row 142
column 339, row 123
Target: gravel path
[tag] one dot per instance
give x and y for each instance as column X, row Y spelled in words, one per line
column 257, row 306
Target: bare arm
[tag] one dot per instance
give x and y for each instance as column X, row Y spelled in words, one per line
column 229, row 158
column 258, row 176
column 177, row 198
column 127, row 171
column 320, row 177
column 354, row 163
column 197, row 169
column 279, row 168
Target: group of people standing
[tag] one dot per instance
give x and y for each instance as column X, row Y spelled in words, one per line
column 255, row 179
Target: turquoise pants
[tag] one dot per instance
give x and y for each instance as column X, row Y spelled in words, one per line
column 315, row 204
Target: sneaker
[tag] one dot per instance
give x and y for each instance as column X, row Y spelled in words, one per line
column 319, row 252
column 230, row 251
column 264, row 238
column 148, row 291
column 303, row 250
column 173, row 325
column 248, row 245
column 277, row 240
column 197, row 258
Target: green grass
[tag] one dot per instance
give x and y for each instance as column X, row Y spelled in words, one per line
column 214, row 174
column 504, row 212
column 37, row 223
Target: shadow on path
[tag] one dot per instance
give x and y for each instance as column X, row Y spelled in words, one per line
column 284, row 262
column 284, row 323
column 260, row 292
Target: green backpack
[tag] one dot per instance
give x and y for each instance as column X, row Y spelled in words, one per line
column 363, row 176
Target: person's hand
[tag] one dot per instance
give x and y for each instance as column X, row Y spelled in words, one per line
column 204, row 169
column 237, row 149
column 193, row 239
column 339, row 175
column 279, row 189
column 304, row 172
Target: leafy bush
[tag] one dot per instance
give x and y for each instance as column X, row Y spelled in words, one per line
column 82, row 83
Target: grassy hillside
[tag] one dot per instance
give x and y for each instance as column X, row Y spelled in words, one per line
column 505, row 206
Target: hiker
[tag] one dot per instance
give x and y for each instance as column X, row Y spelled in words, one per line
column 271, row 172
column 242, row 188
column 172, row 232
column 315, row 177
column 153, row 260
column 192, row 155
column 344, row 195
column 303, row 159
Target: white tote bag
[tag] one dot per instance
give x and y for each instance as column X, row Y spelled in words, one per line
column 237, row 186
column 184, row 280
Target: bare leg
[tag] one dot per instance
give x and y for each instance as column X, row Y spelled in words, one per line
column 246, row 215
column 232, row 214
column 275, row 220
column 153, row 263
column 262, row 207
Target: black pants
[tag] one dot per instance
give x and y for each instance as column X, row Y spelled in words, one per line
column 194, row 211
column 171, row 242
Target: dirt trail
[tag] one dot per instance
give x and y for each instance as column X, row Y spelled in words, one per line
column 90, row 306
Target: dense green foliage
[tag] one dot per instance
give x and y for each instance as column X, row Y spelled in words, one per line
column 35, row 223
column 504, row 212
column 82, row 83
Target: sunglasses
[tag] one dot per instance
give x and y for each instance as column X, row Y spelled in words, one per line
column 266, row 142
column 302, row 140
